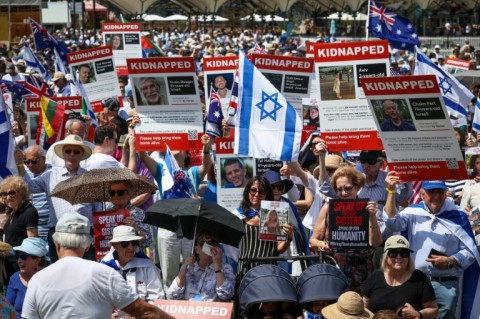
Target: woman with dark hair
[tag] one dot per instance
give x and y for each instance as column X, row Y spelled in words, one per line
column 469, row 198
column 257, row 189
column 455, row 187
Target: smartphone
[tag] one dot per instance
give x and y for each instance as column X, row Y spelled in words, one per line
column 206, row 249
column 433, row 251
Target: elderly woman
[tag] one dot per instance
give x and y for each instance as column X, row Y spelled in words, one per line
column 140, row 273
column 204, row 276
column 346, row 182
column 22, row 216
column 257, row 189
column 31, row 256
column 398, row 286
column 119, row 193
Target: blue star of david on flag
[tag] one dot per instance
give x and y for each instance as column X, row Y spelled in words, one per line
column 445, row 85
column 263, row 104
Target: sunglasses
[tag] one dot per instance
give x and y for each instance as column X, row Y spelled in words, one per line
column 24, row 256
column 119, row 192
column 33, row 162
column 210, row 242
column 254, row 191
column 370, row 161
column 125, row 244
column 12, row 194
column 313, row 144
column 346, row 189
column 69, row 151
column 279, row 187
column 392, row 253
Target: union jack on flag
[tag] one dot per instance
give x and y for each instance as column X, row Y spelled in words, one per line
column 258, row 49
column 398, row 30
column 233, row 105
column 37, row 86
column 17, row 90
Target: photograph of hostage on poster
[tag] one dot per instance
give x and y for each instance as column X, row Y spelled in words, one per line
column 236, row 171
column 393, row 115
column 336, row 82
column 150, row 90
column 348, row 224
column 115, row 40
column 311, row 116
column 273, row 215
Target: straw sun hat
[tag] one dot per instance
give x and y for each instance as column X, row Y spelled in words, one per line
column 349, row 305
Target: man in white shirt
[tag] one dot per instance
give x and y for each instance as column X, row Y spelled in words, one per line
column 76, row 288
column 12, row 74
column 105, row 141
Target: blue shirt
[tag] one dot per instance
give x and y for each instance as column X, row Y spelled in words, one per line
column 16, row 293
column 388, row 126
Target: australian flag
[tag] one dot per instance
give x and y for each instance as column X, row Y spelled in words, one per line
column 181, row 183
column 17, row 90
column 37, row 87
column 44, row 40
column 398, row 30
column 213, row 121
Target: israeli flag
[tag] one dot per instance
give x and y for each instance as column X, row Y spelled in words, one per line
column 456, row 96
column 266, row 125
column 7, row 160
column 32, row 61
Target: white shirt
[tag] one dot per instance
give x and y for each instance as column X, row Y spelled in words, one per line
column 100, row 160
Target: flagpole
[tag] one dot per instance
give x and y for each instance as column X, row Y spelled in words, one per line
column 367, row 24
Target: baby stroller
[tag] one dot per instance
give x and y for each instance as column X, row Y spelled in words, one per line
column 265, row 283
column 320, row 282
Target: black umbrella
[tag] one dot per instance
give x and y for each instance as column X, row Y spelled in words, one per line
column 186, row 216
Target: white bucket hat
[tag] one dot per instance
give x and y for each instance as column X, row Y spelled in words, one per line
column 124, row 233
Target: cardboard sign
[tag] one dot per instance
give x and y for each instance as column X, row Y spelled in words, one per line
column 103, row 225
column 124, row 38
column 273, row 215
column 348, row 224
column 182, row 309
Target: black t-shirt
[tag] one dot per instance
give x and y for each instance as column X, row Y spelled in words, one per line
column 15, row 228
column 416, row 290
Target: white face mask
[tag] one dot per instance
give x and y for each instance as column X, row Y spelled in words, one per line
column 206, row 249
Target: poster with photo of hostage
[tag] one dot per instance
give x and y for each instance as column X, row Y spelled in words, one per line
column 472, row 161
column 73, row 104
column 310, row 114
column 273, row 215
column 95, row 69
column 233, row 173
column 165, row 91
column 290, row 75
column 415, row 128
column 125, row 40
column 346, row 120
column 219, row 72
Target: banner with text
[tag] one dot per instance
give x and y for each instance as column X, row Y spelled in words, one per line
column 347, row 123
column 95, row 69
column 165, row 91
column 415, row 127
column 124, row 38
column 103, row 225
column 183, row 309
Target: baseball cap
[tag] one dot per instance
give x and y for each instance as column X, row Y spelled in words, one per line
column 370, row 155
column 397, row 241
column 438, row 46
column 34, row 246
column 434, row 185
column 111, row 104
column 73, row 223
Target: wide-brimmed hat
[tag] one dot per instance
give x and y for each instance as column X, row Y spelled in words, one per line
column 349, row 305
column 73, row 223
column 124, row 233
column 397, row 242
column 33, row 246
column 57, row 76
column 333, row 161
column 74, row 140
column 274, row 177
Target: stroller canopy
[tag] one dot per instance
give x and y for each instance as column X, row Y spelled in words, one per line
column 266, row 283
column 321, row 282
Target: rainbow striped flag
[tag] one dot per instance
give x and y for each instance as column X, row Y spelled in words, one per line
column 52, row 116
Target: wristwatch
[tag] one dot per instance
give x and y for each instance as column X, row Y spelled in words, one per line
column 449, row 263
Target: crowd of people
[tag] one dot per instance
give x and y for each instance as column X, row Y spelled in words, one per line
column 50, row 268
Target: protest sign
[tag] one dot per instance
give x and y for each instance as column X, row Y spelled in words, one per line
column 95, row 69
column 103, row 225
column 348, row 226
column 273, row 215
column 290, row 75
column 165, row 92
column 458, row 64
column 310, row 114
column 415, row 127
column 220, row 72
column 183, row 309
column 124, row 38
column 346, row 120
column 71, row 103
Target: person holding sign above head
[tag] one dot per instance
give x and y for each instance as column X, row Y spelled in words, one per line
column 140, row 273
column 203, row 276
column 393, row 120
column 398, row 286
column 443, row 246
column 346, row 182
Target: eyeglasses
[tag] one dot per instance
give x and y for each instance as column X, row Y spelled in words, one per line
column 210, row 242
column 125, row 244
column 346, row 189
column 28, row 162
column 12, row 194
column 392, row 253
column 254, row 191
column 69, row 151
column 370, row 161
column 24, row 256
column 119, row 192
column 280, row 187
